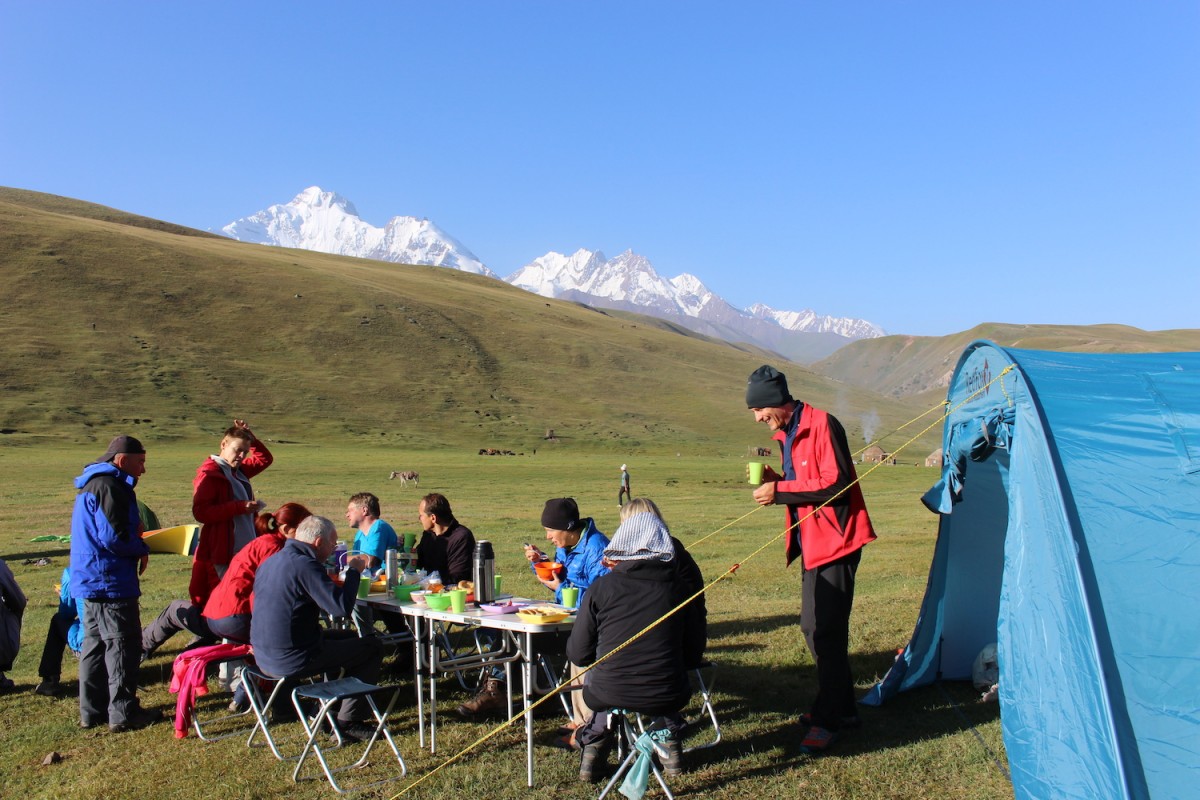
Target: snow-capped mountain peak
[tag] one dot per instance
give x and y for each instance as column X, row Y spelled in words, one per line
column 809, row 320
column 329, row 223
column 630, row 281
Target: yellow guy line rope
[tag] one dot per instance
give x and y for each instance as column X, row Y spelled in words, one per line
column 726, row 574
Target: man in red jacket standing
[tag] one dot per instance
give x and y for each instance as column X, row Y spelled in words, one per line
column 827, row 528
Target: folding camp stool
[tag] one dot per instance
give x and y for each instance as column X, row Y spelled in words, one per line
column 704, row 687
column 209, row 737
column 626, row 727
column 255, row 682
column 327, row 694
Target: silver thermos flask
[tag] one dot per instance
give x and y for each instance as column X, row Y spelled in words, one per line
column 390, row 571
column 483, row 572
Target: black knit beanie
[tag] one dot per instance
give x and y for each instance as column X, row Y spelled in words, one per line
column 560, row 514
column 767, row 388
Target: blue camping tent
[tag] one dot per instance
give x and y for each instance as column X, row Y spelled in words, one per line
column 1070, row 535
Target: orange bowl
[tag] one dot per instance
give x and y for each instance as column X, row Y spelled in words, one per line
column 547, row 570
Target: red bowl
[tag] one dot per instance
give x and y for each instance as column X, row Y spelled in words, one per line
column 547, row 570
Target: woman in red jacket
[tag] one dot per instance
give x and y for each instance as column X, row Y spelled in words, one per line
column 223, row 503
column 229, row 606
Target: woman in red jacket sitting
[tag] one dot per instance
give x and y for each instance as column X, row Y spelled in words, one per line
column 223, row 503
column 229, row 606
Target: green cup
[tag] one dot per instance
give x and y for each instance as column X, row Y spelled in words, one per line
column 570, row 596
column 458, row 600
column 364, row 586
column 410, row 541
column 497, row 582
column 754, row 473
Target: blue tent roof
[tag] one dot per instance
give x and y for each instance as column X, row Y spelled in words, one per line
column 1070, row 535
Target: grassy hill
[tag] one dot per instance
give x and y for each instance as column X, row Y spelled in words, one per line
column 920, row 366
column 114, row 322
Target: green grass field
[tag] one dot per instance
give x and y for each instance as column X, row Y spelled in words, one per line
column 936, row 742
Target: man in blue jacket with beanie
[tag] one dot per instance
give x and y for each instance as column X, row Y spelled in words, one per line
column 107, row 557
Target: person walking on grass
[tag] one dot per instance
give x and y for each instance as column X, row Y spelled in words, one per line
column 828, row 526
column 108, row 556
column 623, row 494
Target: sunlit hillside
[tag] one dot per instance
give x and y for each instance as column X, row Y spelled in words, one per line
column 116, row 322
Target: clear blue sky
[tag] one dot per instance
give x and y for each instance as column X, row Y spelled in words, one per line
column 927, row 166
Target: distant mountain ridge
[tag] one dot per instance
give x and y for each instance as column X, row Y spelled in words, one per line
column 410, row 358
column 630, row 282
column 909, row 366
column 329, row 223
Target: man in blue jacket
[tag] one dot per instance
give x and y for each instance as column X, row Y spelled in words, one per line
column 107, row 556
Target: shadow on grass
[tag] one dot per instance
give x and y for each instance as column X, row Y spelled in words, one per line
column 765, row 699
column 17, row 558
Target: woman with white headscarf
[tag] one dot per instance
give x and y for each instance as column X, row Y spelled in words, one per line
column 649, row 675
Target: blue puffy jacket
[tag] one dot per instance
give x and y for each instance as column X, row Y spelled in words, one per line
column 583, row 561
column 106, row 535
column 70, row 609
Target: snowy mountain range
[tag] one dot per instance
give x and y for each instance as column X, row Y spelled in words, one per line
column 327, row 222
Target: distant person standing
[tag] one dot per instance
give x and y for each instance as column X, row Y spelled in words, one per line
column 818, row 470
column 623, row 495
column 375, row 537
column 107, row 557
column 223, row 503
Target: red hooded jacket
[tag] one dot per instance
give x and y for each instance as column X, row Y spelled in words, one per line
column 214, row 507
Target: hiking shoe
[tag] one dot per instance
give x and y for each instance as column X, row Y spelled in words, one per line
column 355, row 731
column 817, row 740
column 490, row 702
column 139, row 719
column 241, row 706
column 49, row 687
column 593, row 762
column 672, row 763
column 847, row 723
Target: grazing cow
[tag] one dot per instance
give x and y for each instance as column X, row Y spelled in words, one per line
column 405, row 477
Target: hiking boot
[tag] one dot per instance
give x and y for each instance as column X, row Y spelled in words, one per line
column 491, row 701
column 672, row 763
column 355, row 731
column 817, row 740
column 593, row 762
column 139, row 719
column 49, row 687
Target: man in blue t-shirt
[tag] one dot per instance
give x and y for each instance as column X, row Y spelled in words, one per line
column 375, row 537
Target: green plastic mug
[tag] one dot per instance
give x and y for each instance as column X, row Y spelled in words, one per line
column 570, row 596
column 754, row 473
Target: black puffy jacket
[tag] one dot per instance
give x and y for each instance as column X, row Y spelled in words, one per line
column 649, row 675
